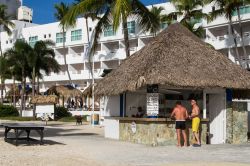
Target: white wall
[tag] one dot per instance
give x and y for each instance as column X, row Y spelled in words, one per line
column 110, row 106
column 111, row 128
column 41, row 110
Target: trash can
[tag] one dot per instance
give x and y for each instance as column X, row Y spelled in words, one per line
column 88, row 118
column 95, row 118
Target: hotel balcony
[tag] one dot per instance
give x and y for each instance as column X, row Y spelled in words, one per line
column 227, row 41
column 75, row 75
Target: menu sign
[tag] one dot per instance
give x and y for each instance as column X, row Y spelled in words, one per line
column 152, row 104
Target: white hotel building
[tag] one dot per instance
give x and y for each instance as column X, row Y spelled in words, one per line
column 110, row 51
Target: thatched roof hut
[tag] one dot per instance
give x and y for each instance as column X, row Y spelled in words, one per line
column 88, row 91
column 176, row 59
column 64, row 90
column 52, row 99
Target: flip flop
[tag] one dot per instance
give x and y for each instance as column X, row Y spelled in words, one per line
column 196, row 145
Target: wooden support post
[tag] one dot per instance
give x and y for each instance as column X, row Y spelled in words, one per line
column 204, row 105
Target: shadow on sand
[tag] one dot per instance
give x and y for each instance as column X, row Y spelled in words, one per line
column 32, row 142
column 49, row 131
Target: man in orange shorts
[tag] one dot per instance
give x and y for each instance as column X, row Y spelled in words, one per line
column 195, row 116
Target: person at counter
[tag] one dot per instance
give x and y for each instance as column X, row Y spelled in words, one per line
column 195, row 116
column 180, row 114
column 139, row 114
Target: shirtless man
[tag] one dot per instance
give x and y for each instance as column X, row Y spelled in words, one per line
column 180, row 114
column 195, row 116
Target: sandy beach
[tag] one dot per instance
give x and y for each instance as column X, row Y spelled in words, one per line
column 67, row 144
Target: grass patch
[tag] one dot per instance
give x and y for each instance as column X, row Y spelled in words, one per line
column 67, row 119
column 72, row 119
column 17, row 118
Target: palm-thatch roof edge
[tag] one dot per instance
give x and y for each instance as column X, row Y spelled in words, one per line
column 175, row 58
column 51, row 99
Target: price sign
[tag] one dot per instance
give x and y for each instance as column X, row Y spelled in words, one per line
column 152, row 104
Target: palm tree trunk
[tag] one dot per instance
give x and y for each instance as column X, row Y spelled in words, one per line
column 235, row 42
column 242, row 39
column 125, row 35
column 2, row 88
column 23, row 91
column 37, row 85
column 14, row 91
column 33, row 89
column 64, row 57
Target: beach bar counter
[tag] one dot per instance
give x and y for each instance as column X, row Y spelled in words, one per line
column 175, row 66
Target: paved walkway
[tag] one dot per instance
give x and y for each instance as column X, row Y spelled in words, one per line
column 67, row 144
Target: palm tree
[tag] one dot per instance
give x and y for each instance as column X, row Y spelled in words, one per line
column 227, row 9
column 5, row 25
column 112, row 12
column 5, row 22
column 4, row 73
column 161, row 18
column 189, row 12
column 42, row 58
column 61, row 10
column 19, row 54
column 238, row 4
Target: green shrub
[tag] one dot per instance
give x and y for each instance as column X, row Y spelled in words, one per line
column 6, row 110
column 67, row 119
column 61, row 112
column 72, row 119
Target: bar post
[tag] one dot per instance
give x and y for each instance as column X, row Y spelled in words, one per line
column 204, row 105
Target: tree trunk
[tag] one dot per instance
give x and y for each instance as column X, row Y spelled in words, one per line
column 33, row 89
column 23, row 91
column 37, row 85
column 64, row 57
column 125, row 35
column 235, row 42
column 242, row 39
column 2, row 88
column 14, row 91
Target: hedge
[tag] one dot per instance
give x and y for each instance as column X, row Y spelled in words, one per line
column 61, row 112
column 7, row 111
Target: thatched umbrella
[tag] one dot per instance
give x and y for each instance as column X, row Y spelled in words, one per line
column 51, row 99
column 175, row 58
column 64, row 90
column 87, row 91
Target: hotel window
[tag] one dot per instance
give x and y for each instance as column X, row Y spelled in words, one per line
column 44, row 36
column 59, row 37
column 131, row 27
column 76, row 35
column 243, row 10
column 109, row 31
column 33, row 40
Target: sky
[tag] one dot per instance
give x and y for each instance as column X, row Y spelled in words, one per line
column 43, row 10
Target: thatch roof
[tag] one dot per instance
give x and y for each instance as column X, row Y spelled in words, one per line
column 52, row 99
column 88, row 91
column 64, row 90
column 176, row 59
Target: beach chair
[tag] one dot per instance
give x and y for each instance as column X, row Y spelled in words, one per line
column 78, row 120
